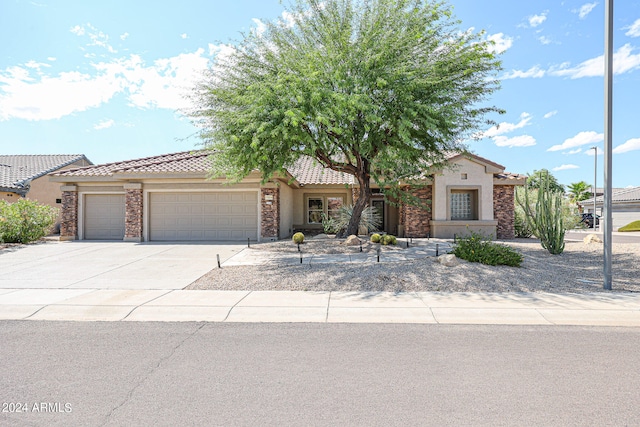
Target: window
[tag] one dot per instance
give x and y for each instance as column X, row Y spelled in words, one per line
column 315, row 209
column 463, row 205
column 322, row 204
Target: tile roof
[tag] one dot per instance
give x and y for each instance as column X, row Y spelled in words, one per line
column 622, row 195
column 17, row 171
column 307, row 170
column 185, row 161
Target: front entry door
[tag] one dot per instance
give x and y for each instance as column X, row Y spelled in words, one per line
column 379, row 205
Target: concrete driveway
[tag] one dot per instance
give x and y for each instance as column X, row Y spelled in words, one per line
column 110, row 265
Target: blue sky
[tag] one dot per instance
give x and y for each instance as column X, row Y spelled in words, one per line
column 107, row 79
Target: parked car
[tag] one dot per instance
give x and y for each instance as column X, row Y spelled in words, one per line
column 587, row 220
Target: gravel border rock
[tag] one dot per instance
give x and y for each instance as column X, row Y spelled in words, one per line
column 577, row 270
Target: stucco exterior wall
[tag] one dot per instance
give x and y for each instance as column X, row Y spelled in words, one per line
column 9, row 197
column 45, row 191
column 476, row 178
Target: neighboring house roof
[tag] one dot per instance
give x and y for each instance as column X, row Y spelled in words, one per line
column 622, row 195
column 17, row 171
column 306, row 170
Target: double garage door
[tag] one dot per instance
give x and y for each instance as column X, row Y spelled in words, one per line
column 177, row 216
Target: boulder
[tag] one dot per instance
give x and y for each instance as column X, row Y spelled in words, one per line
column 592, row 238
column 352, row 240
column 448, row 260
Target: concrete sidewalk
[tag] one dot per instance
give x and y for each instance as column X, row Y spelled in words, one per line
column 594, row 309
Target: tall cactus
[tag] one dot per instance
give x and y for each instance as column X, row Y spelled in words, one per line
column 546, row 220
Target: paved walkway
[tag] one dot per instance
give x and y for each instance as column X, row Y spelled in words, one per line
column 597, row 309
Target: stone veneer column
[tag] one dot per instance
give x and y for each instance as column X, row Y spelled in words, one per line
column 416, row 219
column 133, row 214
column 69, row 216
column 504, row 210
column 270, row 213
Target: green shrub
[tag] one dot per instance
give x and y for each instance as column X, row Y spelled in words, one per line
column 477, row 248
column 375, row 238
column 370, row 219
column 329, row 224
column 632, row 226
column 298, row 238
column 25, row 221
column 388, row 239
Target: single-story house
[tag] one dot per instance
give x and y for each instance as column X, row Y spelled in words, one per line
column 169, row 198
column 26, row 176
column 625, row 206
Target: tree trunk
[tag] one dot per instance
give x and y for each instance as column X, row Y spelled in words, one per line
column 363, row 200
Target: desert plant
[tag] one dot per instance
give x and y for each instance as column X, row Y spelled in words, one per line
column 546, row 216
column 632, row 226
column 370, row 219
column 520, row 225
column 375, row 238
column 25, row 221
column 329, row 224
column 478, row 248
column 298, row 238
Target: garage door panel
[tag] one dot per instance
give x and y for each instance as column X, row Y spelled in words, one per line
column 203, row 216
column 104, row 216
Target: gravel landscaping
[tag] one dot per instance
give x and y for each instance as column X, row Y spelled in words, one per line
column 577, row 270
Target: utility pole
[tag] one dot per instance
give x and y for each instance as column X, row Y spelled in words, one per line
column 595, row 183
column 608, row 134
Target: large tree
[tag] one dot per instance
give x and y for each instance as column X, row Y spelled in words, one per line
column 379, row 89
column 539, row 177
column 579, row 191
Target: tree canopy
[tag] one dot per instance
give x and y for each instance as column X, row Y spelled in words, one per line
column 535, row 180
column 379, row 89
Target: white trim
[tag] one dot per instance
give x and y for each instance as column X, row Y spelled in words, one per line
column 81, row 206
column 145, row 204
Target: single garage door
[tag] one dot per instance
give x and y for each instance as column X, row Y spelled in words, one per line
column 203, row 216
column 104, row 216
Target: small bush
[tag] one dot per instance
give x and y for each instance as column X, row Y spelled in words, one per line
column 388, row 239
column 329, row 224
column 298, row 238
column 25, row 221
column 632, row 226
column 477, row 248
column 375, row 238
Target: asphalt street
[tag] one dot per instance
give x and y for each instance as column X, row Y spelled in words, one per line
column 169, row 374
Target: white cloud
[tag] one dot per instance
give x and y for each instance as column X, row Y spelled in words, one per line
column 260, row 28
column 184, row 36
column 516, row 141
column 624, row 60
column 288, row 19
column 634, row 29
column 585, row 9
column 533, row 72
column 545, row 40
column 582, row 138
column 504, row 127
column 51, row 58
column 565, row 167
column 501, row 42
column 104, row 124
column 576, row 151
column 97, row 37
column 550, row 114
column 589, row 152
column 124, row 36
column 28, row 93
column 630, row 145
column 536, row 20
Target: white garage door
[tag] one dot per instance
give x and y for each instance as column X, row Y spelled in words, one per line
column 104, row 216
column 203, row 216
